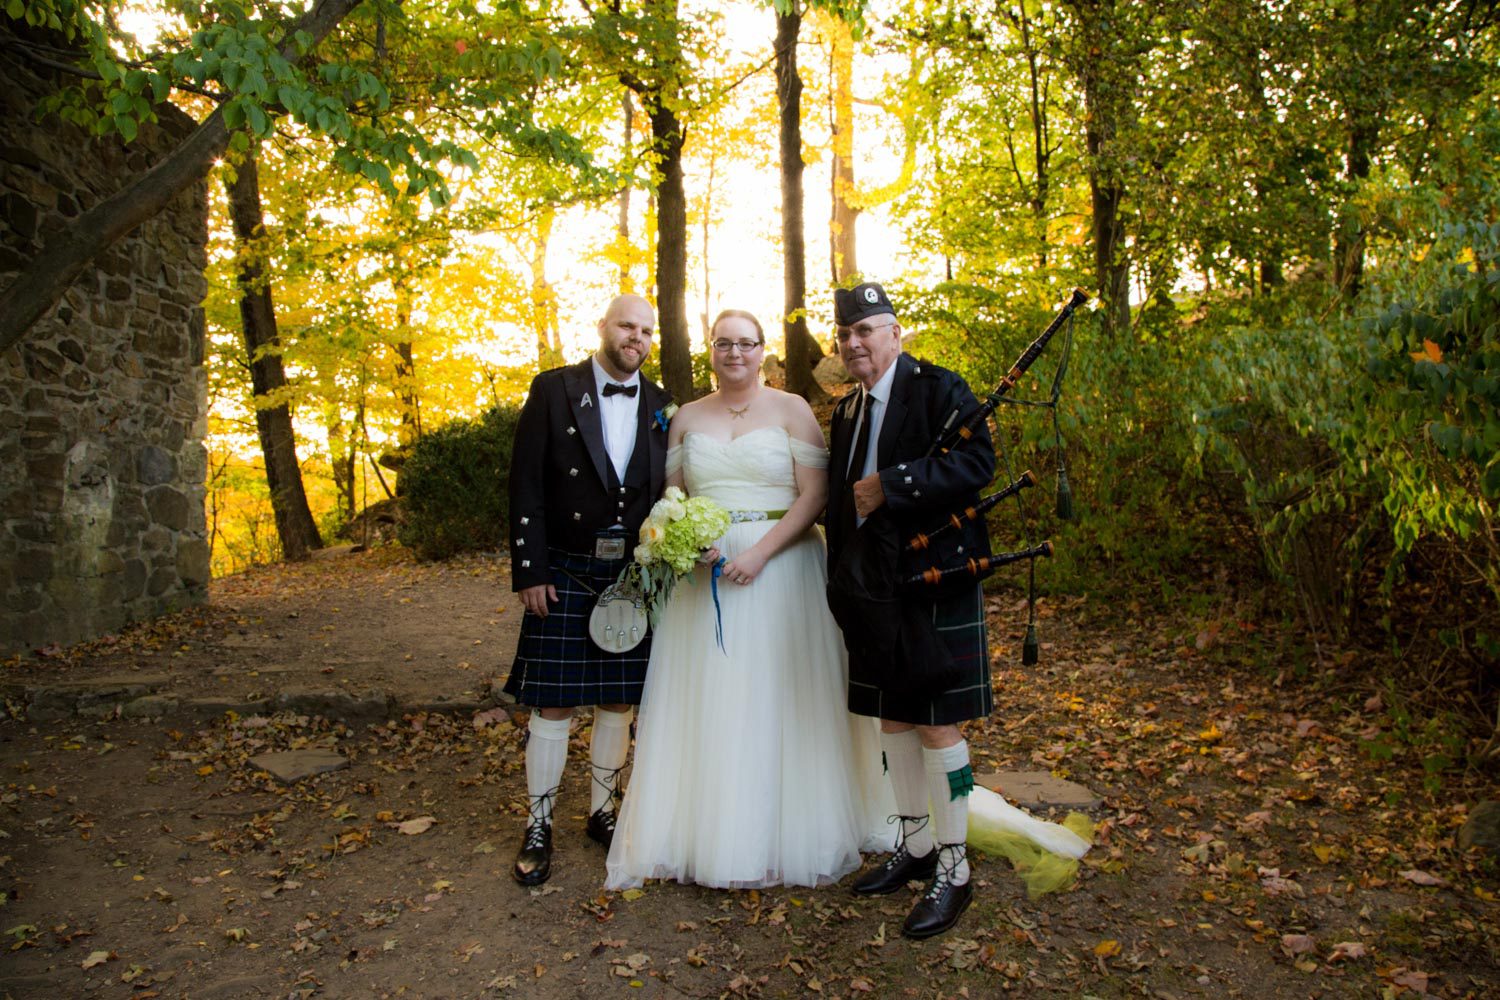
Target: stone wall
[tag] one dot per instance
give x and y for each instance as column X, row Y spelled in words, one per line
column 102, row 403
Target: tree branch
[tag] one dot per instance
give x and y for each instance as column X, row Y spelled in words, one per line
column 49, row 274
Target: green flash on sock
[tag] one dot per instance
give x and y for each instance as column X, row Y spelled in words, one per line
column 960, row 782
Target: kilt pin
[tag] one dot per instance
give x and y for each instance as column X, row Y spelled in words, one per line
column 920, row 491
column 563, row 492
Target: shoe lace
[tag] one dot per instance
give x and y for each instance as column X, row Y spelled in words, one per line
column 901, row 853
column 609, row 780
column 539, row 809
column 950, row 856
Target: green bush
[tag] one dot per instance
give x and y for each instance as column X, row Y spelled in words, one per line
column 455, row 486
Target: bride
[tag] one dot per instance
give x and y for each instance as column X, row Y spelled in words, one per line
column 749, row 770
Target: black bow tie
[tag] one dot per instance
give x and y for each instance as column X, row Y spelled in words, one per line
column 610, row 388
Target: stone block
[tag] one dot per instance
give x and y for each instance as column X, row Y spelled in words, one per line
column 1482, row 828
column 43, row 364
column 33, row 565
column 334, row 704
column 47, row 468
column 161, row 581
column 168, row 507
column 155, row 466
column 117, row 289
column 71, row 350
column 72, row 593
column 1034, row 789
column 134, row 583
column 152, row 706
column 290, row 766
column 192, row 561
column 20, row 214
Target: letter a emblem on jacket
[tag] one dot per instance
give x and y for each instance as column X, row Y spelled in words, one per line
column 586, row 401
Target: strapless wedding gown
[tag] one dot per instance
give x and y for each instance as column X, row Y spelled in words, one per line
column 749, row 770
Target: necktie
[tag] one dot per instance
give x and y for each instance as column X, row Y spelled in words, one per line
column 610, row 388
column 861, row 443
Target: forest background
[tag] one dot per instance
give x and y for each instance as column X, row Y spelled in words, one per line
column 1283, row 406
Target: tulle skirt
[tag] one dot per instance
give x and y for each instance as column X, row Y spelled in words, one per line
column 749, row 770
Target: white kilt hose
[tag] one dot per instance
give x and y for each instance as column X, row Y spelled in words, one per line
column 557, row 665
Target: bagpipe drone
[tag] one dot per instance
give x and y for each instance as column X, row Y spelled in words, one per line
column 960, row 427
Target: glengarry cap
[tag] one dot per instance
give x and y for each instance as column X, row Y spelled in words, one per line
column 850, row 305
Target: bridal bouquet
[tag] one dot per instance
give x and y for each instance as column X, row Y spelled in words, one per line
column 672, row 538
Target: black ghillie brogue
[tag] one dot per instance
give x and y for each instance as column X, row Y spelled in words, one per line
column 943, row 903
column 601, row 826
column 534, row 861
column 899, row 869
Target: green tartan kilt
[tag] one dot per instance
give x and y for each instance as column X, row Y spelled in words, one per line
column 960, row 627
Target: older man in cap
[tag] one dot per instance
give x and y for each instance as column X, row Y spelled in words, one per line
column 918, row 658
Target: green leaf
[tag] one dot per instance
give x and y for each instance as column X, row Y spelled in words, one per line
column 260, row 122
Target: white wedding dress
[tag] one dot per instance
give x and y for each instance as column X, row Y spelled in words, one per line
column 749, row 770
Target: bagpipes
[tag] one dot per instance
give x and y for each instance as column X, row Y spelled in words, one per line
column 958, row 428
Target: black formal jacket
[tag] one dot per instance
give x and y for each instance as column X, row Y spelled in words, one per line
column 563, row 488
column 919, row 492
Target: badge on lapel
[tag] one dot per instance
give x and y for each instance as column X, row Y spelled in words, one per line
column 587, row 400
column 664, row 416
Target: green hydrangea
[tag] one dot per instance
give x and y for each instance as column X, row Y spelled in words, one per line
column 672, row 538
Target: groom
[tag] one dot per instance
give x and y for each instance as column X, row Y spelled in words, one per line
column 880, row 435
column 589, row 460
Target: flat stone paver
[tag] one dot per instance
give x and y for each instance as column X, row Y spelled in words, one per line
column 289, row 766
column 1038, row 788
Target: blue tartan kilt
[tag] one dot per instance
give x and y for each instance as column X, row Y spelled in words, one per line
column 557, row 665
column 960, row 627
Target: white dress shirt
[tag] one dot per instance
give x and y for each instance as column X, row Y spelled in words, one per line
column 879, row 395
column 617, row 415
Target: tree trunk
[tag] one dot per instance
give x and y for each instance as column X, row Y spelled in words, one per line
column 1040, row 139
column 1349, row 242
column 841, row 228
column 543, row 295
column 342, row 456
column 72, row 248
column 671, row 251
column 294, row 522
column 406, row 363
column 1102, row 99
column 802, row 353
column 622, row 227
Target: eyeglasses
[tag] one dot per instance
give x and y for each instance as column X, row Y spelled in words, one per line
column 860, row 330
column 745, row 346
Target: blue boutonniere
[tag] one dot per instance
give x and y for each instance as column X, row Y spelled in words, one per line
column 664, row 416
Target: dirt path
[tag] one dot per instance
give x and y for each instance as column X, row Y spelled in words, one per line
column 1248, row 845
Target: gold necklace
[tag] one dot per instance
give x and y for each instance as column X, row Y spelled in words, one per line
column 736, row 414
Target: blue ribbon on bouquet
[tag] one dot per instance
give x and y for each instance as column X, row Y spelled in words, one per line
column 713, row 586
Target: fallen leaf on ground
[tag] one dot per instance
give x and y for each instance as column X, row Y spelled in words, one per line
column 1296, row 944
column 1420, row 877
column 412, row 827
column 98, row 958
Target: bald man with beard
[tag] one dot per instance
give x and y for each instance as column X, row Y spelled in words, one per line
column 589, row 461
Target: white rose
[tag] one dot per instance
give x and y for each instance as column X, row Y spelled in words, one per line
column 652, row 533
column 674, row 494
column 675, row 510
column 645, row 554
